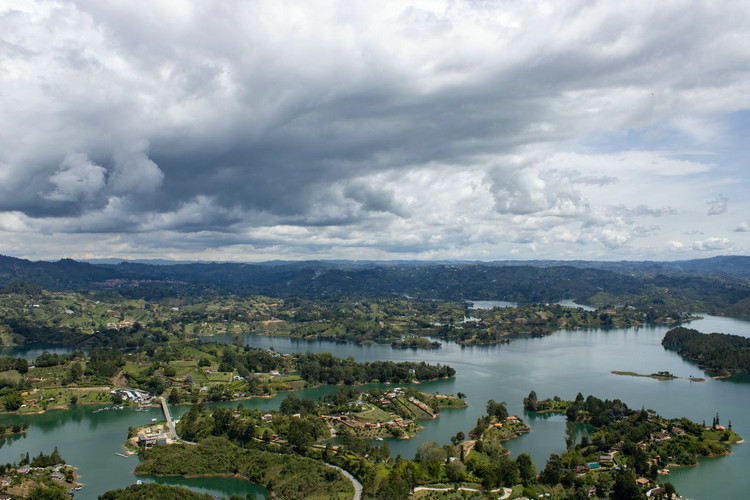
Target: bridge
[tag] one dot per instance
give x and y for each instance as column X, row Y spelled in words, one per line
column 170, row 422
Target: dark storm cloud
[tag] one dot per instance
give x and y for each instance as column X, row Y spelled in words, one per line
column 273, row 123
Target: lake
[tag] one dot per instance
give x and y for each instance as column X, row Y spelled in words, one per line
column 563, row 364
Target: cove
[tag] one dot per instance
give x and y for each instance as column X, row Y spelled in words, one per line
column 563, row 364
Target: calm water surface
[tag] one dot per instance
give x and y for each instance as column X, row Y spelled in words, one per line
column 562, row 364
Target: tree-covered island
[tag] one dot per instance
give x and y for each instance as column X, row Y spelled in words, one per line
column 719, row 353
column 620, row 441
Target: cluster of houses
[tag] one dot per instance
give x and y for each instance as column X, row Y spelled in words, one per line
column 388, row 397
column 607, row 460
column 26, row 470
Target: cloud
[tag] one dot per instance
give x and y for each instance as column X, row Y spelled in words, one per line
column 676, row 245
column 338, row 129
column 134, row 173
column 78, row 179
column 718, row 205
column 743, row 227
column 712, row 244
column 527, row 191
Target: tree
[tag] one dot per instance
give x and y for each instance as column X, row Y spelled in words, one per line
column 625, row 487
column 116, row 398
column 395, row 487
column 456, row 471
column 530, row 402
column 497, row 410
column 301, row 433
column 460, row 436
column 13, row 401
column 47, row 493
column 552, row 470
column 570, row 434
column 526, row 468
column 430, row 455
column 76, row 372
column 174, row 397
column 669, row 489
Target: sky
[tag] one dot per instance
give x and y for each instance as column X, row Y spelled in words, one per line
column 428, row 130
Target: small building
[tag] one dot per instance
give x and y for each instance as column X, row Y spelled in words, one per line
column 149, row 440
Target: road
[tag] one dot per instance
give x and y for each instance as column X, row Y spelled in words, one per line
column 357, row 485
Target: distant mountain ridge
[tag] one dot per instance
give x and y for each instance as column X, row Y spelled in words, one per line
column 724, row 280
column 730, row 265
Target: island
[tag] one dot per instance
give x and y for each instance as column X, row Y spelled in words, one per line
column 718, row 353
column 416, row 343
column 660, row 375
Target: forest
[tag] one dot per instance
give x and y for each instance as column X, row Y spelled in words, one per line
column 720, row 353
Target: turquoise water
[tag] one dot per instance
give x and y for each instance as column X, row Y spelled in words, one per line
column 562, row 364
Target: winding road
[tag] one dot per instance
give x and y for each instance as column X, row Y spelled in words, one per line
column 357, row 485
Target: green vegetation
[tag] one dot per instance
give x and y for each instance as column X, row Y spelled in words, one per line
column 549, row 405
column 286, row 474
column 711, row 285
column 120, row 323
column 11, row 429
column 663, row 376
column 154, row 491
column 187, row 372
column 415, row 343
column 622, row 451
column 284, row 450
column 41, row 477
column 715, row 352
column 620, row 454
column 642, row 440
